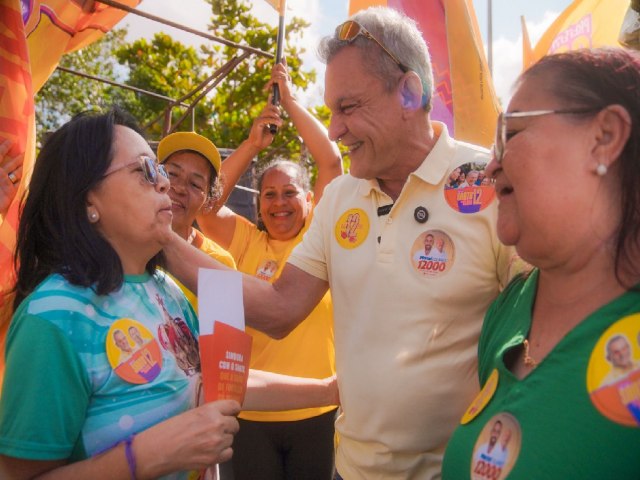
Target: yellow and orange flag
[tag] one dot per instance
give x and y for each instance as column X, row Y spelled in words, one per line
column 583, row 24
column 464, row 98
column 34, row 34
column 279, row 5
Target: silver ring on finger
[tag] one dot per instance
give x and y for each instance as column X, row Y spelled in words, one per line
column 12, row 177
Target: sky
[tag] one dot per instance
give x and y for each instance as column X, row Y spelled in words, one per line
column 325, row 15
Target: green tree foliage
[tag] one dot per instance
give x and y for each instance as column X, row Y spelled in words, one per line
column 65, row 94
column 167, row 67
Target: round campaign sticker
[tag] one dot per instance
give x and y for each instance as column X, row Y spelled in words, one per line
column 432, row 253
column 482, row 399
column 613, row 374
column 468, row 189
column 352, row 228
column 267, row 269
column 133, row 352
column 497, row 448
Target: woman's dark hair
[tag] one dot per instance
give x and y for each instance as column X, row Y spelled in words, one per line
column 301, row 177
column 54, row 234
column 596, row 78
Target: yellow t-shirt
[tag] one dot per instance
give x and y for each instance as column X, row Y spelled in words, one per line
column 308, row 351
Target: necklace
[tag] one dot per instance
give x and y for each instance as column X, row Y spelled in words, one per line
column 529, row 361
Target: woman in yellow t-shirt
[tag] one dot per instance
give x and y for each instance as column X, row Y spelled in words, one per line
column 291, row 444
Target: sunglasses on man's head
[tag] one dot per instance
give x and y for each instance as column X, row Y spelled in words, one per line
column 150, row 169
column 350, row 30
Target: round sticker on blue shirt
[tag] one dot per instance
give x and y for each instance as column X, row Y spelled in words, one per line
column 133, row 352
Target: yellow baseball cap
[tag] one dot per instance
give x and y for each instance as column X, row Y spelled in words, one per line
column 189, row 141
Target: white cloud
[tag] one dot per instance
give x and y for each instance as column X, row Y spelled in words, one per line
column 507, row 57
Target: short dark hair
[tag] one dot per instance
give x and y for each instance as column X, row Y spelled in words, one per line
column 594, row 79
column 54, row 234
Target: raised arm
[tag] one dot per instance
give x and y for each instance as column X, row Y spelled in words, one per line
column 274, row 309
column 219, row 224
column 325, row 153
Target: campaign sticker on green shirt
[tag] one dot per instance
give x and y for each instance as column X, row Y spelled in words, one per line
column 497, row 448
column 613, row 374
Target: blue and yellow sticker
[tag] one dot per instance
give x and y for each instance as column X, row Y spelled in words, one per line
column 133, row 352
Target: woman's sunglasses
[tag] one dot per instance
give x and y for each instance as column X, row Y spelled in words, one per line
column 150, row 168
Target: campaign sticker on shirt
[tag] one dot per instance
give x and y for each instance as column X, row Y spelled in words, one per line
column 613, row 374
column 497, row 448
column 267, row 269
column 352, row 228
column 468, row 189
column 482, row 399
column 432, row 253
column 133, row 352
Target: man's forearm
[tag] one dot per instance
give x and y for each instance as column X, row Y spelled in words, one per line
column 184, row 260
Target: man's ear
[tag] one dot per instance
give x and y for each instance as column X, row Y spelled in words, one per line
column 411, row 91
column 613, row 128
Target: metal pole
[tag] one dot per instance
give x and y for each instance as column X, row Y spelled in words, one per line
column 490, row 36
column 126, row 8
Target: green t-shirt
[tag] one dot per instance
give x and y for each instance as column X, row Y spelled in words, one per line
column 562, row 421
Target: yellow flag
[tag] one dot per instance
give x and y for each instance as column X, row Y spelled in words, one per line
column 527, row 50
column 33, row 37
column 583, row 24
column 279, row 5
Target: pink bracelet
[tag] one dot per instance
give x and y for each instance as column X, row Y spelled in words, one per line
column 131, row 458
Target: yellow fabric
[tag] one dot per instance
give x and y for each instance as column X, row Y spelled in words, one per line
column 33, row 37
column 583, row 24
column 179, row 141
column 216, row 252
column 308, row 351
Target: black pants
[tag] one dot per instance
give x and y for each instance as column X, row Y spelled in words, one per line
column 299, row 450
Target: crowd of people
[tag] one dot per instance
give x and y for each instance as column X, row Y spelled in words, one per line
column 486, row 341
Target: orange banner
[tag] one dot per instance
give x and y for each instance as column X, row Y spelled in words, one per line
column 464, row 97
column 34, row 34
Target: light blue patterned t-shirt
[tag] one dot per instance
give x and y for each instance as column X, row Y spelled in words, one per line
column 85, row 371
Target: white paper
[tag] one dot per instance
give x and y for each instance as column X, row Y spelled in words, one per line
column 219, row 299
